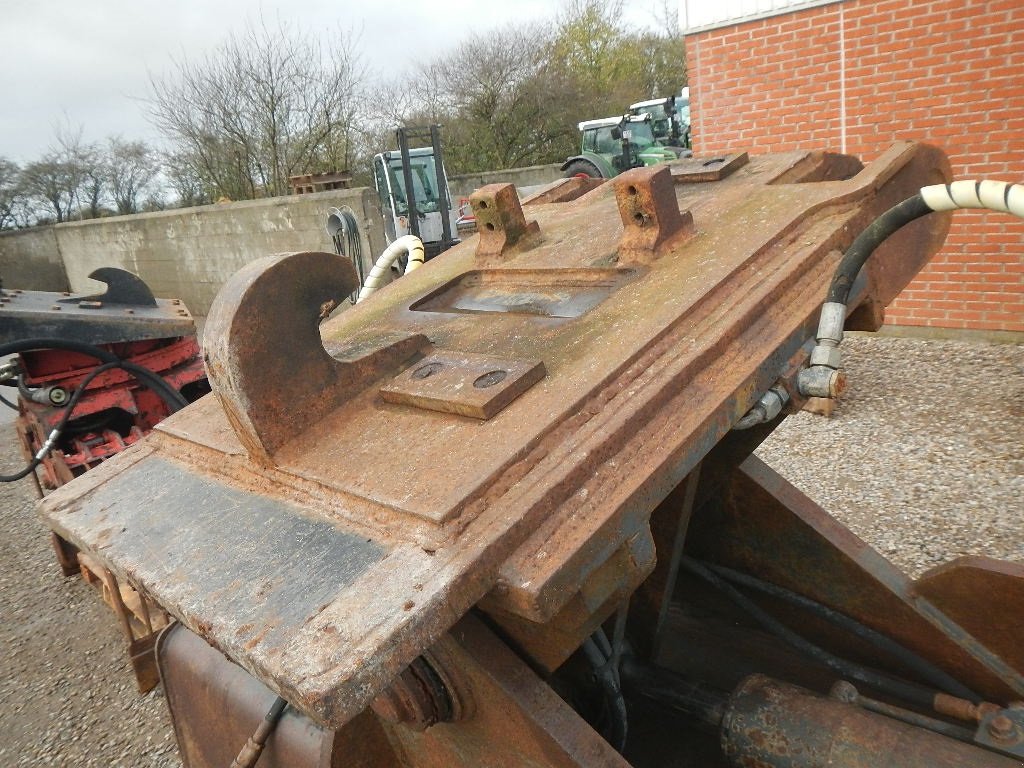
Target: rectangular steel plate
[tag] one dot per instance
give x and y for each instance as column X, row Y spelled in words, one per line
column 469, row 385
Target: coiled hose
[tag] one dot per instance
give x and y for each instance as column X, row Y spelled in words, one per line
column 344, row 232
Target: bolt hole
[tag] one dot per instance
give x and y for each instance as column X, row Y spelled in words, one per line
column 425, row 371
column 489, row 379
column 631, row 189
column 639, row 218
column 489, row 227
column 483, row 205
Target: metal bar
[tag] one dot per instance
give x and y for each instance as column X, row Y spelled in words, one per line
column 410, row 193
column 442, row 188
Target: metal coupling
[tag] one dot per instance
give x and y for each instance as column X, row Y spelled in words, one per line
column 821, row 381
column 56, row 396
column 9, row 369
column 830, row 335
column 767, row 407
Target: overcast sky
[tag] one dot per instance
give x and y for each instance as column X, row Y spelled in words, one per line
column 89, row 60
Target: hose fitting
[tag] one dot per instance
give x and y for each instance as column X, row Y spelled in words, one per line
column 823, row 378
column 767, row 407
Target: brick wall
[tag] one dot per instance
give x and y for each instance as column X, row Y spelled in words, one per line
column 950, row 72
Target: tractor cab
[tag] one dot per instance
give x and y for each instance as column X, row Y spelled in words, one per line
column 670, row 118
column 612, row 145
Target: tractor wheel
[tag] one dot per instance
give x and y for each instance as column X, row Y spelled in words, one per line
column 583, row 170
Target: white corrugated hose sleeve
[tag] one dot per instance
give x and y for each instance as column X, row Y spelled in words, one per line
column 409, row 244
column 990, row 195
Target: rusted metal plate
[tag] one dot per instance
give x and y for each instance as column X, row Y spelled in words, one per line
column 469, row 385
column 564, row 191
column 985, row 597
column 561, row 293
column 694, row 170
column 126, row 312
column 639, row 387
column 266, row 568
column 215, row 706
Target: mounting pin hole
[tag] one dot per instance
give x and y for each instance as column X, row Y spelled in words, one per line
column 489, row 379
column 426, row 370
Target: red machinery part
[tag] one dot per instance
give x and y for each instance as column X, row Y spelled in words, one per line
column 114, row 412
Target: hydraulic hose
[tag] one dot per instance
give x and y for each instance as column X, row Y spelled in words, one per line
column 54, row 436
column 109, row 361
column 909, row 692
column 615, row 703
column 254, row 746
column 820, row 379
column 408, row 244
column 165, row 391
column 344, row 232
column 884, row 643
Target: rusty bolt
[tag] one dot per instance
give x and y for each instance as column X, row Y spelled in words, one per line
column 418, row 698
column 1001, row 728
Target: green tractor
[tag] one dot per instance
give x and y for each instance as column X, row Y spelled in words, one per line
column 670, row 118
column 615, row 144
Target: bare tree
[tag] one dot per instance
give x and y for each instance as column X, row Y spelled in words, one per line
column 268, row 104
column 13, row 205
column 130, row 169
column 52, row 182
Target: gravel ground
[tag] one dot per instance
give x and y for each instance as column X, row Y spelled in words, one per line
column 923, row 458
column 922, row 464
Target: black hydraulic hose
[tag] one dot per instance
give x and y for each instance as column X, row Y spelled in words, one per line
column 171, row 397
column 614, row 700
column 57, row 430
column 867, row 241
column 911, row 660
column 910, row 692
column 663, row 686
column 254, row 746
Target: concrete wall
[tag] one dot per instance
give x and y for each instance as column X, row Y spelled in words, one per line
column 855, row 76
column 185, row 253
column 30, row 260
column 463, row 185
column 189, row 253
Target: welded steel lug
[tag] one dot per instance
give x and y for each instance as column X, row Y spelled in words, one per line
column 122, row 288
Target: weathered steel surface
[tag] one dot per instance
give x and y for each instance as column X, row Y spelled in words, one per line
column 639, row 386
column 695, row 170
column 263, row 330
column 767, row 528
column 506, row 716
column 564, row 191
column 516, row 719
column 127, row 311
column 215, row 706
column 470, row 385
column 985, row 597
column 773, row 725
